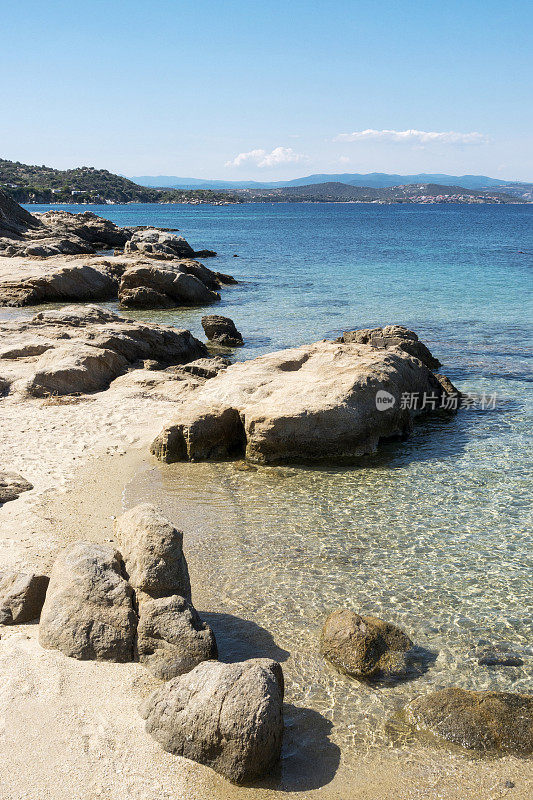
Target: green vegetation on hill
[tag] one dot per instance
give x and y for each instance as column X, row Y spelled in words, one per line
column 34, row 184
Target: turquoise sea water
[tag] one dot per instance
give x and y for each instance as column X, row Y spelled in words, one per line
column 434, row 533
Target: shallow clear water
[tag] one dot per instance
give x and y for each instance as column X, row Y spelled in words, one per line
column 434, row 533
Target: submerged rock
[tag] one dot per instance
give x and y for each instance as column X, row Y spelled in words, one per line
column 171, row 637
column 498, row 655
column 88, row 613
column 221, row 330
column 22, row 596
column 486, row 721
column 311, row 403
column 12, row 485
column 365, row 647
column 152, row 549
column 226, row 716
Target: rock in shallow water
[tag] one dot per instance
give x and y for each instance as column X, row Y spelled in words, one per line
column 318, row 402
column 226, row 716
column 221, row 330
column 88, row 612
column 487, row 721
column 171, row 637
column 22, row 596
column 365, row 647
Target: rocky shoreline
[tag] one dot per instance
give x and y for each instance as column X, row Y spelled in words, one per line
column 77, row 381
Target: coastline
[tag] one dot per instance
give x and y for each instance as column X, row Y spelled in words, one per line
column 93, row 706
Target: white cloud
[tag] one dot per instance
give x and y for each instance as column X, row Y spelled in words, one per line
column 260, row 158
column 412, row 136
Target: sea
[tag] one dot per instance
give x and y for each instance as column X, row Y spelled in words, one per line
column 433, row 533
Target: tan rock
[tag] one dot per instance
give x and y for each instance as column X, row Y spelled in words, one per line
column 22, row 596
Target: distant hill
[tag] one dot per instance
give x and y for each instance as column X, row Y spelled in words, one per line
column 376, row 180
column 335, row 191
column 41, row 184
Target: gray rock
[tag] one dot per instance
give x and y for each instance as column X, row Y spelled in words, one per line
column 365, row 647
column 393, row 336
column 158, row 244
column 88, row 613
column 171, row 637
column 226, row 716
column 487, row 721
column 12, row 485
column 152, row 550
column 21, row 596
column 221, row 330
column 169, row 280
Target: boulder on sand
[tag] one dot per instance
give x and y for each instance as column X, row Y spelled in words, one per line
column 365, row 647
column 171, row 637
column 152, row 549
column 88, row 613
column 226, row 716
column 487, row 721
column 317, row 402
column 21, row 596
column 221, row 330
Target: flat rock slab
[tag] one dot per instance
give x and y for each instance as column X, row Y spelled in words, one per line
column 226, row 716
column 318, row 402
column 12, row 485
column 22, row 596
column 501, row 722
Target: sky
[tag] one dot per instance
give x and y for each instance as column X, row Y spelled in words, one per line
column 239, row 89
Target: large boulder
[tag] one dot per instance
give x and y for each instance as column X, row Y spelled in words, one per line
column 88, row 613
column 221, row 330
column 75, row 369
column 487, row 721
column 158, row 244
column 14, row 220
column 226, row 716
column 171, row 637
column 152, row 549
column 21, row 596
column 365, row 647
column 12, row 485
column 57, row 280
column 393, row 336
column 316, row 402
column 171, row 283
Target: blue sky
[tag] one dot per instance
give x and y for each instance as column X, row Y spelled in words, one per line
column 266, row 90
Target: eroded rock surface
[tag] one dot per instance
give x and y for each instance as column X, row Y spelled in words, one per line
column 171, row 637
column 393, row 336
column 78, row 350
column 365, row 647
column 152, row 549
column 88, row 613
column 226, row 716
column 221, row 330
column 311, row 403
column 158, row 244
column 486, row 721
column 12, row 485
column 22, row 596
column 163, row 286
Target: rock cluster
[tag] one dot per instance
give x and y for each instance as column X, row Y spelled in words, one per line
column 365, row 647
column 82, row 350
column 221, row 330
column 158, row 244
column 311, row 403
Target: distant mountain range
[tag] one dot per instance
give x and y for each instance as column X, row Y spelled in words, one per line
column 374, row 180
